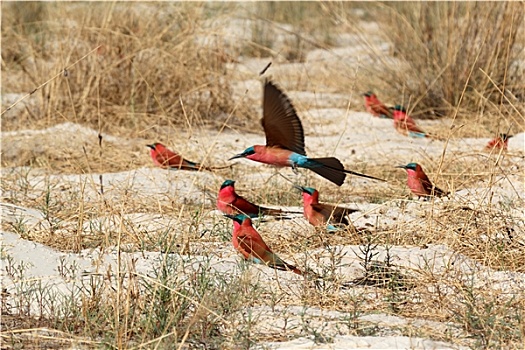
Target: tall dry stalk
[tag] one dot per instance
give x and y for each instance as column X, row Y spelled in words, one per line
column 148, row 67
column 439, row 47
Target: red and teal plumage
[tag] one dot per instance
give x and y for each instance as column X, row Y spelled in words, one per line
column 376, row 107
column 321, row 214
column 419, row 183
column 167, row 159
column 229, row 202
column 499, row 142
column 285, row 140
column 405, row 125
column 247, row 241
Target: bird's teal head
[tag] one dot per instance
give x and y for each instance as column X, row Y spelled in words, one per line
column 153, row 145
column 400, row 108
column 239, row 218
column 411, row 166
column 249, row 151
column 308, row 190
column 368, row 94
column 227, row 183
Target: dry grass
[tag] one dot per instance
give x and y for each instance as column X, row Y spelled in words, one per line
column 135, row 86
column 451, row 45
column 445, row 59
column 148, row 74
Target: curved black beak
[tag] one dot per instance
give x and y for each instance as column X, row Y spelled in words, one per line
column 300, row 188
column 240, row 155
column 401, row 166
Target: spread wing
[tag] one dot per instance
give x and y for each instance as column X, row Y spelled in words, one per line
column 337, row 214
column 281, row 124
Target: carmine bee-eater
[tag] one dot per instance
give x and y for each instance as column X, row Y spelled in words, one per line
column 405, row 125
column 419, row 183
column 229, row 202
column 376, row 107
column 499, row 142
column 167, row 159
column 285, row 140
column 323, row 215
column 252, row 247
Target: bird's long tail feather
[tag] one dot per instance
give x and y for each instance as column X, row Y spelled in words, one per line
column 363, row 175
column 211, row 168
column 334, row 170
column 273, row 211
column 280, row 264
column 331, row 169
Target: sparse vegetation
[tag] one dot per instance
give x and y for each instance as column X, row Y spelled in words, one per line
column 147, row 64
column 155, row 268
column 446, row 58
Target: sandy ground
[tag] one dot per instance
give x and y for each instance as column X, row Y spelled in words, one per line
column 352, row 135
column 43, row 263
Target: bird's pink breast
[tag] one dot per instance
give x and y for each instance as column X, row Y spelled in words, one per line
column 271, row 155
column 225, row 198
column 498, row 143
column 415, row 184
column 315, row 218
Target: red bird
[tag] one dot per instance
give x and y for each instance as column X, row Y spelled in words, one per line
column 229, row 202
column 376, row 107
column 406, row 125
column 167, row 159
column 250, row 244
column 419, row 183
column 285, row 140
column 323, row 215
column 499, row 142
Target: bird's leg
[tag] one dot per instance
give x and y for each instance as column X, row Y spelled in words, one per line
column 294, row 168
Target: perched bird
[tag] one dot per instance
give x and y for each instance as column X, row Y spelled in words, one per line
column 405, row 125
column 285, row 140
column 252, row 247
column 323, row 215
column 167, row 159
column 499, row 142
column 376, row 107
column 419, row 183
column 229, row 202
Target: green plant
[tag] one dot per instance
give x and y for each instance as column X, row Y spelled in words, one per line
column 67, row 270
column 318, row 333
column 19, row 226
column 491, row 319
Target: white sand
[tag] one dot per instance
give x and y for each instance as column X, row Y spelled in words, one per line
column 346, row 132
